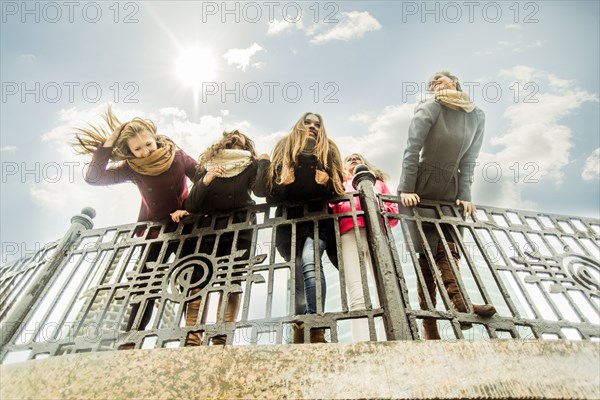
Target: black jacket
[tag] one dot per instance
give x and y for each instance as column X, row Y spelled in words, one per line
column 312, row 197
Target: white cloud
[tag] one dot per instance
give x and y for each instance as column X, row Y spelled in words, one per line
column 28, row 57
column 8, row 149
column 535, row 146
column 519, row 45
column 275, row 27
column 353, row 25
column 521, row 73
column 486, row 52
column 385, row 140
column 241, row 57
column 591, row 169
column 512, row 26
column 361, row 117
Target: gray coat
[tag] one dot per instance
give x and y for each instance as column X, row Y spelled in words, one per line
column 448, row 142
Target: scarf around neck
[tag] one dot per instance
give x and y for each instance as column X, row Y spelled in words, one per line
column 455, row 100
column 234, row 160
column 158, row 161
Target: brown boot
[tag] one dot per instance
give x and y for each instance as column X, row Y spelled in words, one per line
column 219, row 340
column 317, row 335
column 191, row 315
column 430, row 328
column 486, row 310
column 298, row 332
column 126, row 346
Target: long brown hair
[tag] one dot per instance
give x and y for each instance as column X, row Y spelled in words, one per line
column 88, row 139
column 284, row 158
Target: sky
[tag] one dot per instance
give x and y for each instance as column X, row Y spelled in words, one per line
column 198, row 68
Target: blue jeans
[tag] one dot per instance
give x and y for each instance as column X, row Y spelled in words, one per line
column 306, row 278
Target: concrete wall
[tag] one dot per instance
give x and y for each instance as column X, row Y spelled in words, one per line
column 391, row 370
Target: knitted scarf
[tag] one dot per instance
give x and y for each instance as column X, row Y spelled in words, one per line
column 455, row 100
column 235, row 161
column 158, row 161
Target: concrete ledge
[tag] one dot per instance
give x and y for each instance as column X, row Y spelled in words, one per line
column 389, row 370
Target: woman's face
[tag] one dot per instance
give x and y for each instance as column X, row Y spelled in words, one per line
column 443, row 83
column 238, row 142
column 313, row 125
column 351, row 162
column 142, row 144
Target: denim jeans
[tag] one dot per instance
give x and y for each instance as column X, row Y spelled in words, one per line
column 306, row 278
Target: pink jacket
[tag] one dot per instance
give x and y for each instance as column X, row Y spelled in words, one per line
column 346, row 224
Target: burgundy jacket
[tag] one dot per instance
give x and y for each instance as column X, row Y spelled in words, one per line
column 161, row 194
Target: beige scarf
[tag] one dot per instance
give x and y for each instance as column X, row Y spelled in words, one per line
column 455, row 100
column 234, row 160
column 158, row 161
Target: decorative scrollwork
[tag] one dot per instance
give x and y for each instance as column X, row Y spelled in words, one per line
column 584, row 271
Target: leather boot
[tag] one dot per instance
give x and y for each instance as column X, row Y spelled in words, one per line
column 298, row 332
column 219, row 340
column 191, row 314
column 231, row 312
column 485, row 310
column 430, row 328
column 126, row 346
column 317, row 335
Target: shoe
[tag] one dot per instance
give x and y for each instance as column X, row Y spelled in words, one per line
column 298, row 332
column 317, row 335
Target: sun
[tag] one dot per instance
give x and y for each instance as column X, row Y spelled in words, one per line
column 195, row 65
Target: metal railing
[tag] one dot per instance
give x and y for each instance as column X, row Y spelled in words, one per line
column 99, row 289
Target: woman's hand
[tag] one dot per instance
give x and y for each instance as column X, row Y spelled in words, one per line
column 409, row 199
column 177, row 215
column 115, row 135
column 468, row 207
column 215, row 171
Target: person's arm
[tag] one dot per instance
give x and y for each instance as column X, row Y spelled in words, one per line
column 98, row 174
column 426, row 115
column 469, row 159
column 467, row 166
column 190, row 165
column 262, row 175
column 391, row 208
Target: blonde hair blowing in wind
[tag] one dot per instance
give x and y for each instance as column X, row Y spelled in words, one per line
column 88, row 139
column 284, row 159
column 379, row 174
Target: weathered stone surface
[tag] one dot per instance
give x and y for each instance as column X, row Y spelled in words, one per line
column 390, row 370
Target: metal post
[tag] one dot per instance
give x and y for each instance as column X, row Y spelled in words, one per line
column 396, row 322
column 46, row 278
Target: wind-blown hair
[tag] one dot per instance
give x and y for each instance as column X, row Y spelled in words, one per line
column 88, row 139
column 284, row 158
column 438, row 75
column 225, row 143
column 379, row 174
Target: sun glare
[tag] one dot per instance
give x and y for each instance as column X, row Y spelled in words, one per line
column 195, row 65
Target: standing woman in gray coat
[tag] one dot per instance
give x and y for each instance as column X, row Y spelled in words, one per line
column 444, row 139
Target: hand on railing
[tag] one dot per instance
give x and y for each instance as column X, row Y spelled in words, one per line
column 177, row 215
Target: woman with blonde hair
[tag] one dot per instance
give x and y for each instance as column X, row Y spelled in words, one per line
column 444, row 139
column 224, row 182
column 305, row 166
column 353, row 247
column 150, row 161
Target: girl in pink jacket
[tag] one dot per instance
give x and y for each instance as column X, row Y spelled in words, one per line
column 351, row 248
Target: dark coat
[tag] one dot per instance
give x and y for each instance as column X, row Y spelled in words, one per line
column 232, row 194
column 303, row 189
column 161, row 194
